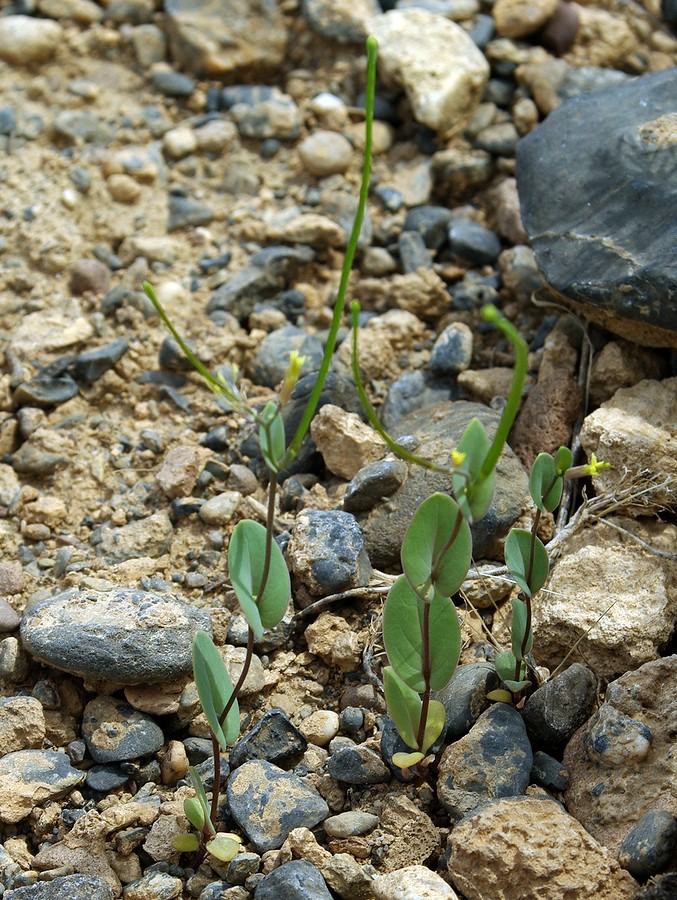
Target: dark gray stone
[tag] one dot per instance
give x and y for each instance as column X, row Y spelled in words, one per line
column 549, row 772
column 267, row 803
column 660, row 888
column 452, row 351
column 500, row 139
column 430, row 222
column 669, row 11
column 184, row 212
column 73, row 887
column 173, row 84
column 493, row 760
column 273, row 738
column 30, row 460
column 651, row 844
column 327, row 552
column 465, row 697
column 439, row 430
column 7, row 120
column 473, row 242
column 124, row 635
column 272, row 355
column 357, row 765
column 115, row 731
column 81, row 178
column 411, row 392
column 559, row 707
column 106, row 778
column 373, row 483
column 295, row 880
column 413, row 252
column 91, row 365
column 45, row 391
column 605, row 237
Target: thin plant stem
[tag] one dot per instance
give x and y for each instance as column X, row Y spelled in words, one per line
column 425, row 700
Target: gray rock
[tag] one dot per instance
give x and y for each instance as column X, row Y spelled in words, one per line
column 350, row 824
column 106, row 778
column 452, row 350
column 74, row 887
column 373, row 482
column 272, row 356
column 559, row 707
column 74, row 125
column 155, row 886
column 91, row 365
column 273, row 738
column 185, row 212
column 549, row 772
column 430, row 222
column 30, row 777
column 7, row 120
column 262, row 112
column 500, row 139
column 413, row 391
column 335, row 22
column 173, row 84
column 115, row 731
column 465, row 697
column 492, row 761
column 439, row 431
column 125, row 636
column 295, row 880
column 45, row 391
column 357, row 765
column 326, row 552
column 614, row 739
column 473, row 242
column 267, row 803
column 651, row 844
column 413, row 252
column 31, row 460
column 605, row 236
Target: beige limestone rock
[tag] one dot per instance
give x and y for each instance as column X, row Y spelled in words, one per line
column 407, row 835
column 413, row 883
column 648, row 695
column 636, row 431
column 621, row 364
column 603, row 39
column 381, row 343
column 25, row 40
column 180, row 470
column 164, row 829
column 518, row 18
column 442, row 71
column 345, row 441
column 22, row 724
column 528, row 848
column 331, row 638
column 608, row 597
column 422, row 293
column 234, row 658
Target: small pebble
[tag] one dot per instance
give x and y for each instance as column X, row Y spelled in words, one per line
column 123, row 188
column 357, row 764
column 320, row 727
column 115, row 732
column 350, row 824
column 650, row 845
column 89, row 275
column 452, row 350
column 614, row 739
column 173, row 84
column 220, row 510
column 325, row 153
column 273, row 738
column 473, row 242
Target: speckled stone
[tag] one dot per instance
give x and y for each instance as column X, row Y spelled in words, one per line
column 125, row 636
column 73, row 887
column 295, row 880
column 29, row 778
column 115, row 732
column 273, row 738
column 267, row 803
column 650, row 845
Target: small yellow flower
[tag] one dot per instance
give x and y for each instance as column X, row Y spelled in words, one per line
column 594, row 467
column 291, row 376
column 458, row 458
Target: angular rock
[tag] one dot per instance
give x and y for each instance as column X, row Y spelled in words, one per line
column 609, row 598
column 636, row 432
column 326, row 552
column 357, row 764
column 604, row 239
column 345, row 21
column 372, row 483
column 272, row 355
column 230, row 39
column 442, row 72
column 295, row 880
column 346, row 443
column 273, row 738
column 92, row 364
column 29, row 778
column 493, row 760
column 559, row 707
column 406, row 835
column 151, row 536
column 125, row 636
column 22, row 724
column 563, row 860
column 598, row 793
column 267, row 803
column 410, row 882
column 75, row 887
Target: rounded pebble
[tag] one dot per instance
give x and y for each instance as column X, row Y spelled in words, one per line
column 350, row 824
column 320, row 727
column 115, row 732
column 650, row 845
column 325, row 153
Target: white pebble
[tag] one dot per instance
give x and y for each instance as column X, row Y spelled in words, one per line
column 326, row 153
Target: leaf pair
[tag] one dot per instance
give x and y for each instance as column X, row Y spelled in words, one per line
column 406, row 707
column 547, row 478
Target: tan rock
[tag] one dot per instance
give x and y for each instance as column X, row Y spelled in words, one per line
column 123, row 188
column 620, row 364
column 22, row 724
column 46, row 510
column 320, row 727
column 413, row 882
column 234, row 659
column 518, row 18
column 180, row 470
column 158, row 844
column 345, row 441
column 527, row 848
column 636, row 431
column 83, row 11
column 648, row 695
column 603, row 39
column 422, row 293
column 382, row 342
column 407, row 835
column 331, row 638
column 25, row 40
column 608, row 599
column 442, row 72
column 161, row 699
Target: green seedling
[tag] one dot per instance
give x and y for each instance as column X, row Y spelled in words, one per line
column 256, row 566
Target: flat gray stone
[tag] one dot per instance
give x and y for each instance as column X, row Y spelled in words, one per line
column 125, row 636
column 29, row 778
column 599, row 202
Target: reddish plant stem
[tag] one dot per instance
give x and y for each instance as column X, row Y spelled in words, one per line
column 426, row 677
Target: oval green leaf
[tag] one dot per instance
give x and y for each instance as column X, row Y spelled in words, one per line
column 194, row 812
column 563, row 460
column 545, row 484
column 402, row 634
column 520, row 615
column 186, row 843
column 526, row 559
column 404, row 706
column 506, row 665
column 445, row 641
column 214, row 688
column 437, row 547
column 224, row 847
column 434, row 725
column 246, row 563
